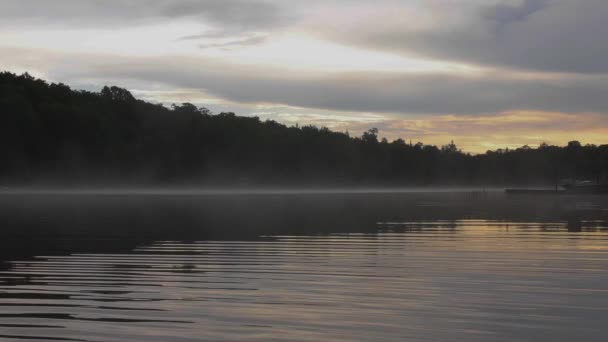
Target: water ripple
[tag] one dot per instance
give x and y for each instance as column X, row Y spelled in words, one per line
column 467, row 280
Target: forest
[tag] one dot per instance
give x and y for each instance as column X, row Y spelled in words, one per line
column 52, row 134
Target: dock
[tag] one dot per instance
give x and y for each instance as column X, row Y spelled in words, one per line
column 535, row 192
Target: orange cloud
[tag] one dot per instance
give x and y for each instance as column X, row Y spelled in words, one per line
column 477, row 134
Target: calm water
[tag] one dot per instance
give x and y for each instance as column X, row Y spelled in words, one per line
column 407, row 267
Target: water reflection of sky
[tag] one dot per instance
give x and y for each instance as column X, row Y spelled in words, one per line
column 463, row 280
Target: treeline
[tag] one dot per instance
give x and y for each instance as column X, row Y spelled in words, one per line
column 51, row 133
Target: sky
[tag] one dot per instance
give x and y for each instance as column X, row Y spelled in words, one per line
column 487, row 74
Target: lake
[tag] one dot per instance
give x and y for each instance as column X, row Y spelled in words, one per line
column 312, row 266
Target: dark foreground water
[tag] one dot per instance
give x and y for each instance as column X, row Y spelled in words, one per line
column 313, row 267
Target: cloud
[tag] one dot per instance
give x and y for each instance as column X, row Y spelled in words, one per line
column 506, row 14
column 510, row 129
column 377, row 92
column 246, row 41
column 544, row 35
column 228, row 16
column 472, row 133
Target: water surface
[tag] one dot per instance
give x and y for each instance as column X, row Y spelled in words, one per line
column 434, row 267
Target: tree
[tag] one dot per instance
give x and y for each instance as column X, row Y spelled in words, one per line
column 49, row 131
column 450, row 148
column 370, row 136
column 117, row 94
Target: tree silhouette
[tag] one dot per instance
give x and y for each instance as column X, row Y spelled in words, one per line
column 49, row 132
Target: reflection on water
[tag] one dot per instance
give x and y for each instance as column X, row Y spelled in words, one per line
column 457, row 281
column 400, row 279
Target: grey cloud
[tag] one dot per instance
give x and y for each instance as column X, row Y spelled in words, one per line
column 235, row 14
column 228, row 15
column 360, row 92
column 507, row 14
column 418, row 94
column 545, row 35
column 236, row 43
column 206, row 35
column 551, row 35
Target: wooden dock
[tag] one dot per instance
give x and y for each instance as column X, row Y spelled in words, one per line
column 535, row 192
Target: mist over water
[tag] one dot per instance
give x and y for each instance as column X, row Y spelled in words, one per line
column 302, row 266
column 202, row 191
